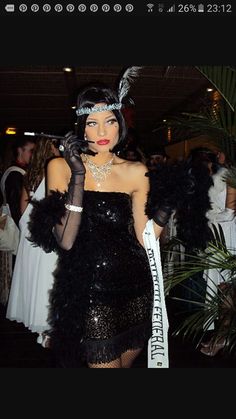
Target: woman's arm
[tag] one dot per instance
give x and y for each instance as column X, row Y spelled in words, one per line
column 139, row 200
column 55, row 220
column 58, row 175
column 68, row 176
column 230, row 198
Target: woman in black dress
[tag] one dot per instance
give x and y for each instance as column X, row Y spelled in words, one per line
column 94, row 216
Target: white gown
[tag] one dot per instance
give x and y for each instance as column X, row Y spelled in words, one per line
column 32, row 278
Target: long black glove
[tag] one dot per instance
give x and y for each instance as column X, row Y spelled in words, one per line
column 66, row 232
column 162, row 214
column 162, row 196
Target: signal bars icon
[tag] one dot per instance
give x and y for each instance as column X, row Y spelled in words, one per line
column 150, row 7
column 171, row 9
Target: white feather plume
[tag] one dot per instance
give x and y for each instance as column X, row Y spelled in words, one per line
column 127, row 78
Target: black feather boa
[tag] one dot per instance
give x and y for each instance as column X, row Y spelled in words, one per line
column 45, row 214
column 185, row 189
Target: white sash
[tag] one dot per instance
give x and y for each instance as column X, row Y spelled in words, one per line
column 158, row 343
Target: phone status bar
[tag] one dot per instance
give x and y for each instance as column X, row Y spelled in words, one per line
column 128, row 8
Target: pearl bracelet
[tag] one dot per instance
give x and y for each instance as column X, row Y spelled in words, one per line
column 73, row 208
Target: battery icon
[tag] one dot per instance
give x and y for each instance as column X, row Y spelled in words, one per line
column 10, row 7
column 160, row 7
column 200, row 8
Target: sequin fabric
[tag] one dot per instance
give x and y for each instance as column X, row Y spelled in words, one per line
column 101, row 303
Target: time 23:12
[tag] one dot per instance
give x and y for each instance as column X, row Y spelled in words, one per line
column 219, row 8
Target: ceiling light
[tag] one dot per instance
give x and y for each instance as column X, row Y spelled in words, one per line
column 209, row 89
column 10, row 131
column 67, row 69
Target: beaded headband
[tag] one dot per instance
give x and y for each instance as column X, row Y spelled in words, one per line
column 123, row 89
column 83, row 111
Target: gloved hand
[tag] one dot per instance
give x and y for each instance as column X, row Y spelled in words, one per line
column 71, row 152
column 72, row 147
column 162, row 215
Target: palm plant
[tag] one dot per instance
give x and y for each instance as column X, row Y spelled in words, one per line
column 217, row 301
column 223, row 78
column 219, row 122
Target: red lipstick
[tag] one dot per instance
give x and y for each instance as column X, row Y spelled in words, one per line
column 103, row 142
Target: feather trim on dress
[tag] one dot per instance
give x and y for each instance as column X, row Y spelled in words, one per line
column 185, row 189
column 45, row 214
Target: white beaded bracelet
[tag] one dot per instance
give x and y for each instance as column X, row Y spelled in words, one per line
column 73, row 208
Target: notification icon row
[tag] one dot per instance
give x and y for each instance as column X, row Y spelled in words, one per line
column 69, row 8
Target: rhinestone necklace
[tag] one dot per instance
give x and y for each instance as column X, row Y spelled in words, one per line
column 99, row 173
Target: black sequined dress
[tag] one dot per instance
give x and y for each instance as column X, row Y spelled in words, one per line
column 101, row 303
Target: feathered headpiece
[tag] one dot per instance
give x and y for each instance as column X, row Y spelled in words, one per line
column 127, row 78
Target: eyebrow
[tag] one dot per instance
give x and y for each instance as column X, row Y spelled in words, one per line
column 94, row 118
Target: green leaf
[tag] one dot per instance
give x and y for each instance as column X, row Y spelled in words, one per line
column 223, row 78
column 206, row 313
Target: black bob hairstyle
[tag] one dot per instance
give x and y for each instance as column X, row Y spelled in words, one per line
column 95, row 93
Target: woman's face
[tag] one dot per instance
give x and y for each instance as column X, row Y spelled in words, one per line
column 221, row 157
column 103, row 129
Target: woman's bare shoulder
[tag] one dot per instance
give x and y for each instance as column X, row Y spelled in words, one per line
column 58, row 162
column 59, row 165
column 132, row 166
column 58, row 173
column 136, row 168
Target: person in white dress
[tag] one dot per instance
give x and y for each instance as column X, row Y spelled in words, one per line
column 33, row 272
column 222, row 214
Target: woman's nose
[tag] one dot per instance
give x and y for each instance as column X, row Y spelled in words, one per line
column 101, row 129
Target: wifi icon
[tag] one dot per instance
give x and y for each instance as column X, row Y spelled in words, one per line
column 150, row 7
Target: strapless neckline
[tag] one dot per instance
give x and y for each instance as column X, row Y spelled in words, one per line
column 108, row 192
